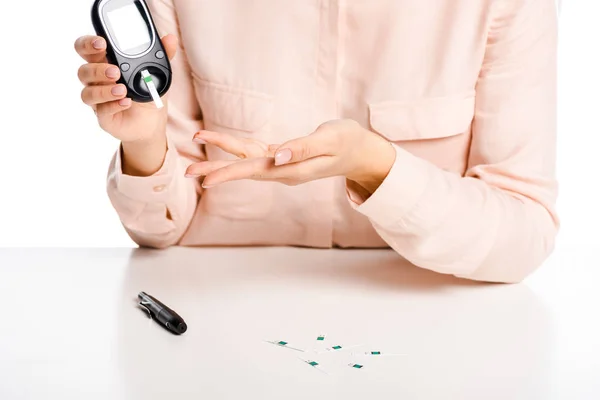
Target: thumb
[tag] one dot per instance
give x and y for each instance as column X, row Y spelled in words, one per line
column 170, row 43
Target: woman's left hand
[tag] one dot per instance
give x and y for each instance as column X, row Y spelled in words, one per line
column 336, row 148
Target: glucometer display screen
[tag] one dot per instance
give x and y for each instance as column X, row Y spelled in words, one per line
column 129, row 29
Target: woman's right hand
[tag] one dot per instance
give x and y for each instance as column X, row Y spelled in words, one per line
column 118, row 115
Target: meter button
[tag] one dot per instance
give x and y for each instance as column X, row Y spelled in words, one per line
column 160, row 54
column 125, row 67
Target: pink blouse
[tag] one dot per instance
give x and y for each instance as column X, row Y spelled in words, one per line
column 465, row 90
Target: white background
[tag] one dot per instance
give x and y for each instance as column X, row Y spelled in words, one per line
column 53, row 162
column 53, row 157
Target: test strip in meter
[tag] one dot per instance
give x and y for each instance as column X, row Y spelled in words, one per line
column 152, row 89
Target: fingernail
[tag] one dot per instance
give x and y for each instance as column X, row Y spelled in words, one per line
column 199, row 141
column 125, row 102
column 207, row 186
column 118, row 90
column 283, row 157
column 98, row 44
column 112, row 73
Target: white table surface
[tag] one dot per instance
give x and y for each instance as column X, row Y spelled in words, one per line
column 70, row 328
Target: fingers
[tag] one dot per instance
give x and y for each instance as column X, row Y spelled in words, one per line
column 225, row 142
column 91, row 48
column 252, row 168
column 95, row 74
column 99, row 77
column 239, row 147
column 170, row 43
column 113, row 107
column 92, row 95
column 204, row 168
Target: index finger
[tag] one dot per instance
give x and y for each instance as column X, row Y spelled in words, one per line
column 91, row 48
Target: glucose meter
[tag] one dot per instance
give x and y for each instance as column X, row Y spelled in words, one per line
column 134, row 46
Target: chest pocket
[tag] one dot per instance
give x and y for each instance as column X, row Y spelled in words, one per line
column 240, row 113
column 436, row 129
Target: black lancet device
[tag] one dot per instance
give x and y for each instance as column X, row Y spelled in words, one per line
column 133, row 45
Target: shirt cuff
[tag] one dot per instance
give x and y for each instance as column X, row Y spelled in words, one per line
column 148, row 189
column 397, row 195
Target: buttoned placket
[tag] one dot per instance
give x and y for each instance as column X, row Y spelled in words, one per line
column 328, row 102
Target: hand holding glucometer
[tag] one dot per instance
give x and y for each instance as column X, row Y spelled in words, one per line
column 134, row 46
column 128, row 71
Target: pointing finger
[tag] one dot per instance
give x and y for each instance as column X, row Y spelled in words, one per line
column 314, row 145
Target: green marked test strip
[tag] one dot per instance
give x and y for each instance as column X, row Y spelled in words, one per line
column 357, row 366
column 284, row 344
column 319, row 344
column 152, row 89
column 315, row 365
column 378, row 353
column 340, row 348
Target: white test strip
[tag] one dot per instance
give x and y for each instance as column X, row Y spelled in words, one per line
column 152, row 89
column 340, row 348
column 284, row 344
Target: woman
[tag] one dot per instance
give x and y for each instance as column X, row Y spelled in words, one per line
column 425, row 126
